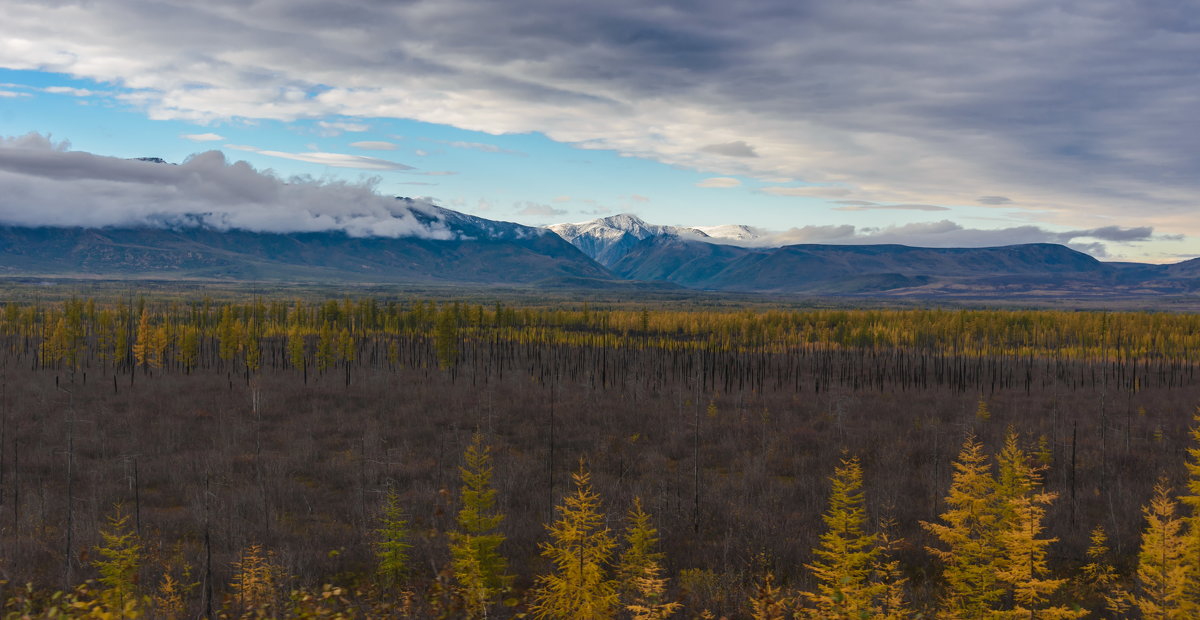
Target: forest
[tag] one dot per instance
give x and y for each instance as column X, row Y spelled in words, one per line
column 178, row 456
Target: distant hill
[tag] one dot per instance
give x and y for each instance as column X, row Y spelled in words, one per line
column 621, row 253
column 1040, row 269
column 734, row 258
column 484, row 252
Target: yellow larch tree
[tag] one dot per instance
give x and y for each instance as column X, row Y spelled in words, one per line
column 768, row 602
column 846, row 560
column 580, row 547
column 1163, row 572
column 893, row 604
column 1021, row 565
column 1099, row 578
column 479, row 569
column 256, row 584
column 969, row 532
column 640, row 567
column 119, row 563
column 1192, row 521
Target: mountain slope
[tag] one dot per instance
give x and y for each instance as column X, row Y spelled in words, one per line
column 483, row 252
column 608, row 239
column 1033, row 269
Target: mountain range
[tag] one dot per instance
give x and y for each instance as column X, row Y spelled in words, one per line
column 730, row 258
column 621, row 251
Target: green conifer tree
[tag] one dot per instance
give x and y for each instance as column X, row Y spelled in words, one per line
column 392, row 547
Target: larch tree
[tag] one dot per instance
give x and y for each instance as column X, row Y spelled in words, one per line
column 256, row 583
column 893, row 604
column 580, row 547
column 1099, row 578
column 143, row 346
column 295, row 346
column 647, row 603
column 479, row 569
column 393, row 545
column 969, row 532
column 121, row 558
column 847, row 556
column 1021, row 566
column 768, row 602
column 1192, row 521
column 639, row 569
column 1163, row 572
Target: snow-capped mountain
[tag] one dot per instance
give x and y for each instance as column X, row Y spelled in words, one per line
column 608, row 239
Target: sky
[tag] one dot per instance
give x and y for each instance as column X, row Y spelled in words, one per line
column 926, row 122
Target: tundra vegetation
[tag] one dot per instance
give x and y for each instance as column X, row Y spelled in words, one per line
column 171, row 458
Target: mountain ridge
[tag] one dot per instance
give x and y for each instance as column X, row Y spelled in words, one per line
column 740, row 264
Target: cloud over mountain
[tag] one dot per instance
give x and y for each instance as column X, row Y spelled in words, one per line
column 43, row 183
column 1082, row 108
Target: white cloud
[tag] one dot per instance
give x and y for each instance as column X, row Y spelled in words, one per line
column 45, row 184
column 722, row 182
column 480, row 146
column 336, row 160
column 537, row 210
column 10, row 94
column 67, row 90
column 373, row 145
column 336, row 128
column 949, row 234
column 202, row 137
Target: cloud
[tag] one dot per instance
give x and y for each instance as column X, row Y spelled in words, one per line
column 67, row 90
column 1083, row 108
column 480, row 146
column 202, row 137
column 562, row 199
column 994, row 200
column 949, row 234
column 722, row 182
column 811, row 191
column 336, row 128
column 638, row 198
column 738, row 148
column 861, row 206
column 336, row 160
column 43, row 183
column 11, row 94
column 534, row 209
column 373, row 145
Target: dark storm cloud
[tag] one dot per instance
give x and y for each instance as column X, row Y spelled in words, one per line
column 1085, row 106
column 45, row 184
